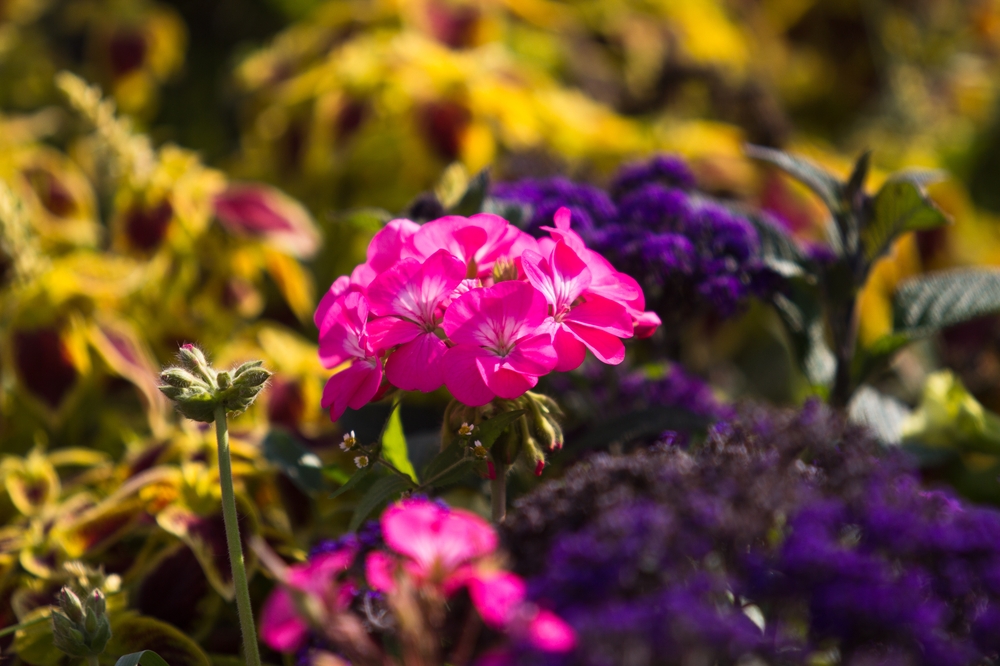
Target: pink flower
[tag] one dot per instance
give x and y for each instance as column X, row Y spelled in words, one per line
column 477, row 241
column 605, row 280
column 345, row 340
column 281, row 625
column 445, row 548
column 578, row 319
column 410, row 297
column 499, row 348
column 385, row 249
column 436, row 542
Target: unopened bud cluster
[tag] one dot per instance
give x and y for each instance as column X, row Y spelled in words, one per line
column 198, row 389
column 80, row 627
column 524, row 440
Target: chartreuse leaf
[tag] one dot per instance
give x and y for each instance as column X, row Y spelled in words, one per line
column 298, row 463
column 144, row 658
column 949, row 417
column 383, row 490
column 394, row 446
column 900, row 206
column 812, row 176
column 487, row 432
column 926, row 304
column 138, row 636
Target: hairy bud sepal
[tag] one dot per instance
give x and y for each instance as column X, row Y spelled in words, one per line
column 198, row 389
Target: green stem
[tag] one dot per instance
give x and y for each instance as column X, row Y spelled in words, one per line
column 250, row 650
column 498, row 493
column 24, row 625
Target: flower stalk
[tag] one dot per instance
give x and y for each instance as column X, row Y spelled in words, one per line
column 203, row 394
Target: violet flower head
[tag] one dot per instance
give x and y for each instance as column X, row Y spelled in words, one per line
column 782, row 537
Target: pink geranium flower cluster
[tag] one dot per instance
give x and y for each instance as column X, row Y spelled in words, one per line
column 473, row 304
column 432, row 552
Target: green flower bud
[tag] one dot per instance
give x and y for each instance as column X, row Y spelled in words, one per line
column 249, row 365
column 81, row 629
column 224, row 380
column 252, row 377
column 180, row 378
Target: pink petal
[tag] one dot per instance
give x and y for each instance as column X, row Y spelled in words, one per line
column 509, row 384
column 332, row 295
column 497, row 596
column 281, row 628
column 571, row 351
column 606, row 347
column 533, row 355
column 387, row 332
column 417, row 365
column 438, row 540
column 646, row 324
column 547, row 631
column 352, row 387
column 561, row 278
column 601, row 313
column 380, row 570
column 463, row 374
column 389, row 244
column 316, row 575
column 507, row 311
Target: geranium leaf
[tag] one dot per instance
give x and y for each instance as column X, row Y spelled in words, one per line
column 394, row 445
column 298, row 463
column 926, row 304
column 354, row 481
column 381, row 491
column 900, row 206
column 451, row 455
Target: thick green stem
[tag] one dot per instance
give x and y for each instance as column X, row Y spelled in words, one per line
column 498, row 493
column 250, row 651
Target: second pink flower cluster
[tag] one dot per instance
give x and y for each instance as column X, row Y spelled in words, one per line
column 474, row 304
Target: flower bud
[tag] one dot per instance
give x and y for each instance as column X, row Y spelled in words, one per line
column 81, row 628
column 180, row 378
column 249, row 365
column 252, row 377
column 224, row 380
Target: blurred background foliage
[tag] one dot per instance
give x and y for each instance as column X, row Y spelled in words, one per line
column 254, row 146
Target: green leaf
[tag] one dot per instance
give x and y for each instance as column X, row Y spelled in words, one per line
column 812, row 176
column 354, row 481
column 153, row 642
column 801, row 312
column 883, row 414
column 900, row 206
column 640, row 423
column 298, row 463
column 777, row 248
column 487, row 432
column 144, row 658
column 926, row 304
column 876, row 357
column 472, row 201
column 381, row 491
column 856, row 182
column 451, row 455
column 394, row 445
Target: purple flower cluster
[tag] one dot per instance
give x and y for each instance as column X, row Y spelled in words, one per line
column 690, row 254
column 784, row 538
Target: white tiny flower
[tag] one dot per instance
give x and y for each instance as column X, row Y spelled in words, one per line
column 349, row 442
column 465, row 430
column 361, row 461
